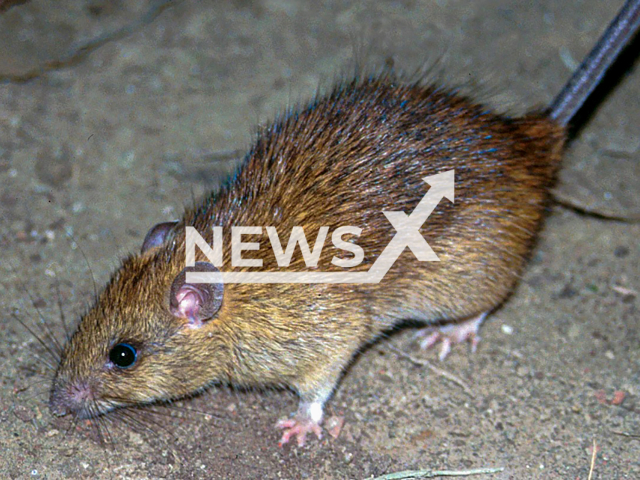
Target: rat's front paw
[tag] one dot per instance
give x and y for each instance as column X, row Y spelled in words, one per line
column 451, row 334
column 298, row 427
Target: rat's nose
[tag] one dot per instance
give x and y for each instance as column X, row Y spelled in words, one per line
column 66, row 398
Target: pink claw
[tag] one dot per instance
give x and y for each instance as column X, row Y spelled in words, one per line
column 298, row 428
column 451, row 334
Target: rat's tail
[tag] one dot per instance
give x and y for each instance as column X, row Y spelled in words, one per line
column 594, row 66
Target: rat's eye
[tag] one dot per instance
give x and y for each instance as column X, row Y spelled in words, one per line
column 123, row 355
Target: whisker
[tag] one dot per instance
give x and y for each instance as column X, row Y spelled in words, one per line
column 190, row 410
column 36, row 383
column 61, row 311
column 111, row 444
column 97, row 428
column 138, row 418
column 45, row 363
column 49, row 333
column 54, row 354
column 86, row 261
column 100, row 424
column 56, row 348
column 72, row 426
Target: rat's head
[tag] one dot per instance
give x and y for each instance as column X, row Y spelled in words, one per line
column 150, row 336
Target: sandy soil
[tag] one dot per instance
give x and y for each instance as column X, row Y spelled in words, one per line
column 109, row 112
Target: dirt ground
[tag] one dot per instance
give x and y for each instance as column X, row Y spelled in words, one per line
column 109, row 114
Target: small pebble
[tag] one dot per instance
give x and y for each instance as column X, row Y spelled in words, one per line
column 334, row 426
column 23, row 413
column 507, row 329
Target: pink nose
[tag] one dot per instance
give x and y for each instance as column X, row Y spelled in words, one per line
column 71, row 398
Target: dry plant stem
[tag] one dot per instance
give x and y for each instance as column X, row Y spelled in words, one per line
column 407, row 474
column 567, row 201
column 593, row 460
column 626, row 434
column 79, row 53
column 434, row 369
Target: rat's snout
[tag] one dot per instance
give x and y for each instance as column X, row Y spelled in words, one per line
column 76, row 398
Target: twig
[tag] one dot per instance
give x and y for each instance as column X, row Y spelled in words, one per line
column 80, row 52
column 408, row 474
column 593, row 459
column 571, row 203
column 434, row 369
column 625, row 434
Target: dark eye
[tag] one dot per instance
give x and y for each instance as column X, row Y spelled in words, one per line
column 123, row 355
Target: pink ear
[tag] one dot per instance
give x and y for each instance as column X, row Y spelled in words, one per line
column 196, row 302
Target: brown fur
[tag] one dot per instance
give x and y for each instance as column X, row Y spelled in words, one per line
column 341, row 160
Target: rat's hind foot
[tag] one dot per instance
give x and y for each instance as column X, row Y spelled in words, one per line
column 307, row 419
column 452, row 333
column 298, row 427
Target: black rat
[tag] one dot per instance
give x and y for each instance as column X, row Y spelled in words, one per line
column 344, row 159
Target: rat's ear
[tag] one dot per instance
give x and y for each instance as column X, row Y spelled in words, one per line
column 195, row 302
column 156, row 236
